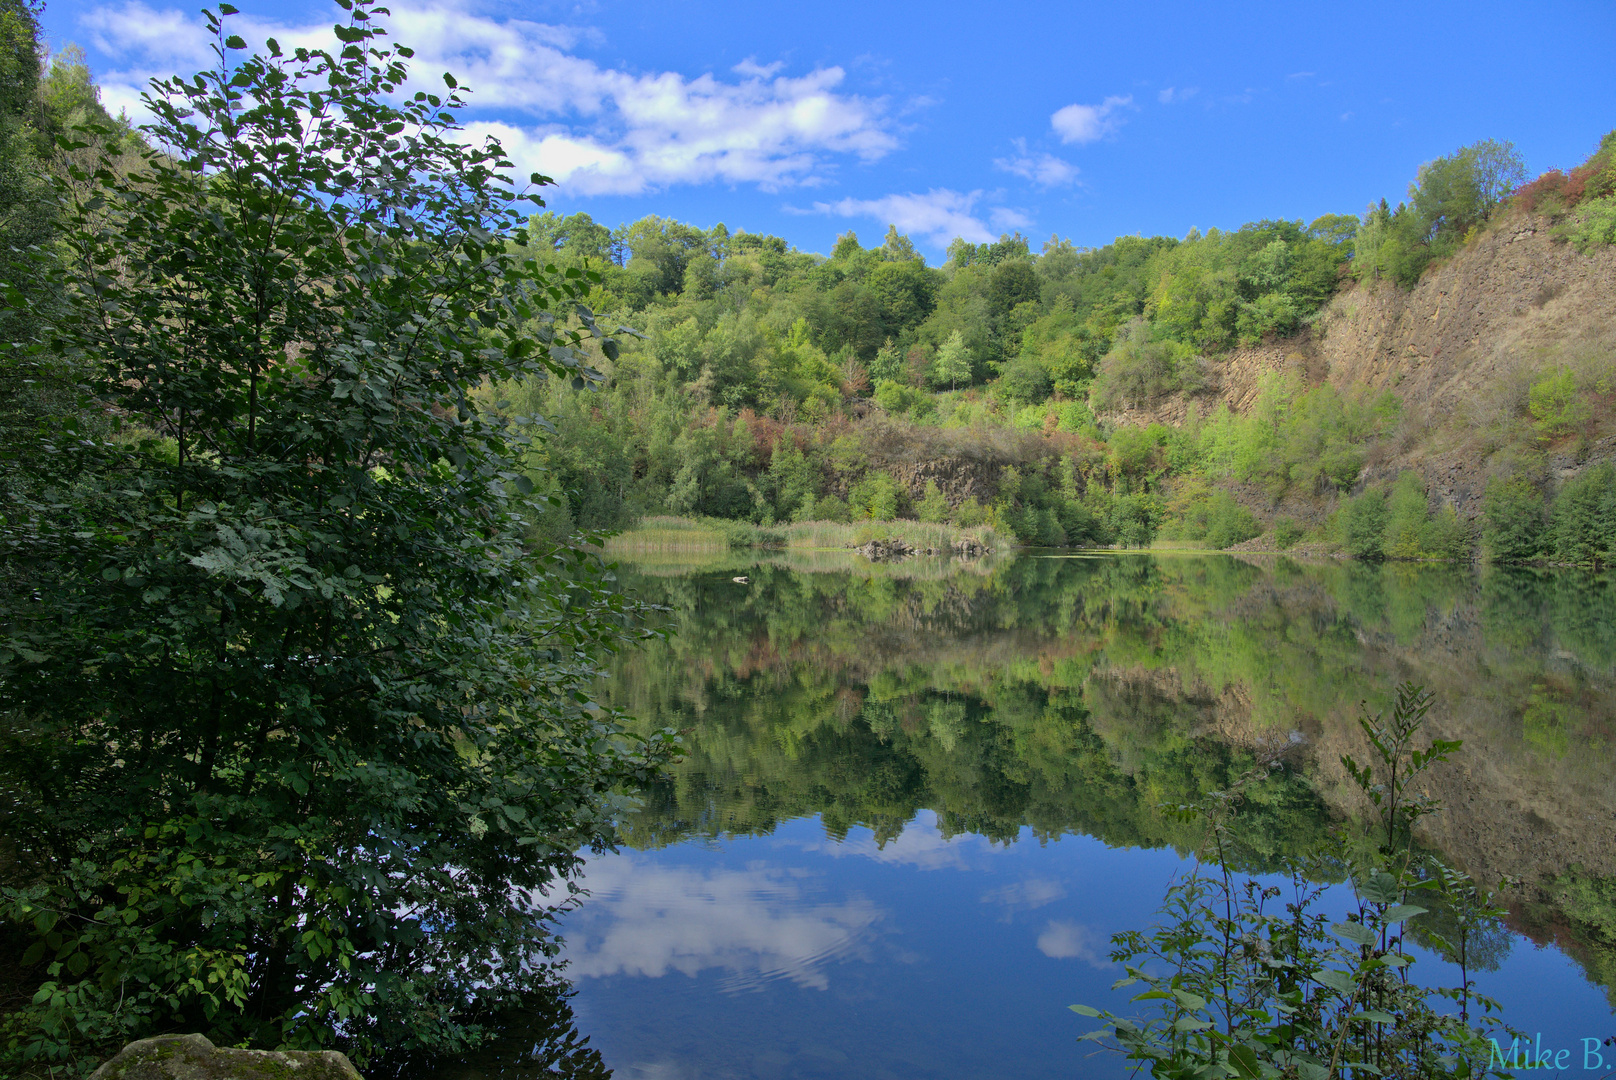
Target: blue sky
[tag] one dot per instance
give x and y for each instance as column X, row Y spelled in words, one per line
column 1084, row 120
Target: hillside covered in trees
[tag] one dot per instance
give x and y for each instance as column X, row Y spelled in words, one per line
column 1081, row 396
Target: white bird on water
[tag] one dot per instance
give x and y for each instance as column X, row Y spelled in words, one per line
column 742, row 580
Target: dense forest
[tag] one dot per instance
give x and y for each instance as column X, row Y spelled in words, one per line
column 769, row 384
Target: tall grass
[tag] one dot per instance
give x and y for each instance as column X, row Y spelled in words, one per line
column 666, row 535
column 918, row 534
column 676, row 536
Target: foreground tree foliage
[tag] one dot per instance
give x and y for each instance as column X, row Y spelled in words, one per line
column 295, row 746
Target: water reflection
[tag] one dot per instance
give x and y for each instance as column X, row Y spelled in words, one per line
column 916, row 803
column 755, row 925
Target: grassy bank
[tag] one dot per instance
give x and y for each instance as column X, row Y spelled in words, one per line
column 664, row 536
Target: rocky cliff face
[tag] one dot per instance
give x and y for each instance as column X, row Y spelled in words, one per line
column 1461, row 350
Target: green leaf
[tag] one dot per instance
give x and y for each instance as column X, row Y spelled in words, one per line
column 1084, row 1010
column 1400, row 912
column 1380, row 888
column 1243, row 1059
column 1337, row 980
column 1357, row 933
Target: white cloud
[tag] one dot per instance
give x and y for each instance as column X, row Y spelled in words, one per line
column 1026, row 895
column 1063, row 940
column 939, row 215
column 1045, row 170
column 1086, row 123
column 1003, row 217
column 756, row 925
column 1177, row 95
column 596, row 130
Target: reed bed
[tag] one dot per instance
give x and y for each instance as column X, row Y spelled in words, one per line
column 666, row 535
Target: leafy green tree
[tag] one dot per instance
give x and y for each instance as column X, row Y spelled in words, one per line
column 1513, row 528
column 953, row 362
column 1363, row 524
column 295, row 730
column 1585, row 516
column 933, row 506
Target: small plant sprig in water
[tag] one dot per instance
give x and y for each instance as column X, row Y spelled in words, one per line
column 1253, row 980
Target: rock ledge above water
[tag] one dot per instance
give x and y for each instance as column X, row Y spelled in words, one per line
column 193, row 1057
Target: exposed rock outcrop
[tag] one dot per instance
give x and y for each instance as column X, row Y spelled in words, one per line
column 886, row 550
column 193, row 1057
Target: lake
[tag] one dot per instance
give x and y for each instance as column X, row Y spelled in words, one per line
column 918, row 798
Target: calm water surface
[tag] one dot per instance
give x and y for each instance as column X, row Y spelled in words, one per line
column 918, row 799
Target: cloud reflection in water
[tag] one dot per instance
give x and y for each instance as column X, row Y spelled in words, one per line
column 757, row 925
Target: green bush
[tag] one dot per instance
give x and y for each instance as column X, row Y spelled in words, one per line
column 1556, row 404
column 1594, row 224
column 1585, row 516
column 875, row 497
column 1025, row 381
column 1513, row 527
column 1286, row 532
column 1406, row 512
column 299, row 750
column 1135, row 519
column 970, row 513
column 1139, row 370
column 1241, row 984
column 1228, row 523
column 1444, row 536
column 933, row 506
column 1363, row 524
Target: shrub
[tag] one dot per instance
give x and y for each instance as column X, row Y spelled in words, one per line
column 830, row 508
column 1444, row 536
column 970, row 513
column 1513, row 528
column 1363, row 524
column 874, row 497
column 1138, row 370
column 1228, row 523
column 1405, row 518
column 1593, row 225
column 1585, row 516
column 1082, row 527
column 1556, row 405
column 1286, row 532
column 933, row 507
column 1025, row 381
column 1134, row 519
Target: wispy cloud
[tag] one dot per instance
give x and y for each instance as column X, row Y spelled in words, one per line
column 756, row 925
column 939, row 215
column 596, row 130
column 1086, row 123
column 1028, row 895
column 1177, row 95
column 1062, row 940
column 1045, row 170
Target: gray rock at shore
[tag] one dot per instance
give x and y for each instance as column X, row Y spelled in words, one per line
column 193, row 1057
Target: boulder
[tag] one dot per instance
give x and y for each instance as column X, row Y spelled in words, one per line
column 193, row 1057
column 886, row 550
